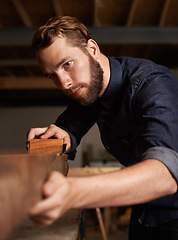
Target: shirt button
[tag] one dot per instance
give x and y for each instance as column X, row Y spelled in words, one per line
column 125, row 141
column 102, row 120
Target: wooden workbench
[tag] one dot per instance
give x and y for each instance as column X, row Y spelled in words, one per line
column 21, row 180
column 65, row 228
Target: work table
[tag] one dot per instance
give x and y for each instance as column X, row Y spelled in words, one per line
column 65, row 228
column 22, row 176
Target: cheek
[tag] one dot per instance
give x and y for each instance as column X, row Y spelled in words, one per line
column 82, row 73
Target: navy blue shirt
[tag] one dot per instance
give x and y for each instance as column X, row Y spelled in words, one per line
column 138, row 119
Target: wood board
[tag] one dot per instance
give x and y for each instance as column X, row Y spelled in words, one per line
column 21, row 180
column 65, row 228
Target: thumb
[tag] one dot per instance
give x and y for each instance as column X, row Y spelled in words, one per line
column 52, row 183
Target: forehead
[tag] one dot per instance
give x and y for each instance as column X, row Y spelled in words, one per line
column 60, row 46
column 59, row 43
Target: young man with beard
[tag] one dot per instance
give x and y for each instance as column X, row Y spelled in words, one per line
column 135, row 104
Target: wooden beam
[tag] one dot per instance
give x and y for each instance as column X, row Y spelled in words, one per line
column 57, row 7
column 132, row 11
column 16, row 37
column 22, row 13
column 21, row 180
column 25, row 83
column 18, row 62
column 103, row 35
column 164, row 12
column 96, row 6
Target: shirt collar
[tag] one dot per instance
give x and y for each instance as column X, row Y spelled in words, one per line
column 114, row 85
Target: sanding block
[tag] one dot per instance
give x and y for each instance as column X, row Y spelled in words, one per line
column 46, row 146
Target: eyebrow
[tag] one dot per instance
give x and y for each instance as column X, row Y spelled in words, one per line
column 58, row 65
column 62, row 61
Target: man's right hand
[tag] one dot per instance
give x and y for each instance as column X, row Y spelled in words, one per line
column 48, row 132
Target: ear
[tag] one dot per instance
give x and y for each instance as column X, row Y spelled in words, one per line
column 93, row 48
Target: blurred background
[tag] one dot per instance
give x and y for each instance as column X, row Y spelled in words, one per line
column 137, row 28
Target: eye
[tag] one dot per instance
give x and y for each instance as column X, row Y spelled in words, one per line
column 67, row 65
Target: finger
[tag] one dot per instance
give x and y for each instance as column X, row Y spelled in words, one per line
column 50, row 190
column 66, row 139
column 41, row 207
column 47, row 217
column 52, row 131
column 41, row 221
column 34, row 132
column 45, row 206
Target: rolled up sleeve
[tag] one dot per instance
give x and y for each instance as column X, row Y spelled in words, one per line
column 165, row 155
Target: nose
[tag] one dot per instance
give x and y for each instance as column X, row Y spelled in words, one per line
column 64, row 81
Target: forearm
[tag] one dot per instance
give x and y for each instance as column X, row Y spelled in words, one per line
column 140, row 183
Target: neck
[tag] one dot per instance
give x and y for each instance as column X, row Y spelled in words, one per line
column 104, row 62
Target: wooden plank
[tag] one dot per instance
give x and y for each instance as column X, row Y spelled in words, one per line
column 26, row 83
column 45, row 146
column 164, row 13
column 65, row 228
column 21, row 179
column 89, row 171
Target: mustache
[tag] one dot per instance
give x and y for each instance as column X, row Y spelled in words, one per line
column 74, row 88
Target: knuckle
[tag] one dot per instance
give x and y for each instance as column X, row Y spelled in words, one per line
column 52, row 125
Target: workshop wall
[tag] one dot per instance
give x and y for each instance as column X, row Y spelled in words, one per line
column 15, row 122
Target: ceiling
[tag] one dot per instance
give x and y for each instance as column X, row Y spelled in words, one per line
column 138, row 28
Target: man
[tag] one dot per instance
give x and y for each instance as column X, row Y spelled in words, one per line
column 135, row 104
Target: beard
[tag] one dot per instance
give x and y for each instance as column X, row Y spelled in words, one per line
column 95, row 85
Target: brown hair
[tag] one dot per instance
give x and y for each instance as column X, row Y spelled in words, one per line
column 64, row 26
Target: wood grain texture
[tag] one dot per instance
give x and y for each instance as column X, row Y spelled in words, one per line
column 64, row 228
column 89, row 171
column 21, row 180
column 45, row 146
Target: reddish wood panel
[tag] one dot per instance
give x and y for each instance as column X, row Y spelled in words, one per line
column 21, row 180
column 46, row 146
